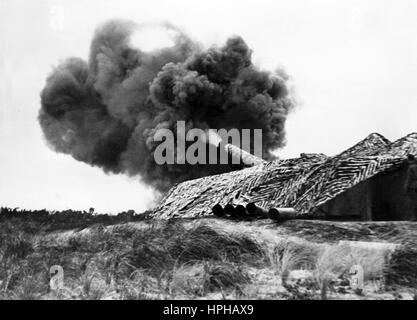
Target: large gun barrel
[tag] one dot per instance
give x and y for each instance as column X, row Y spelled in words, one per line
column 247, row 159
column 235, row 153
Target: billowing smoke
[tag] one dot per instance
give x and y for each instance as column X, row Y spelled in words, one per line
column 105, row 111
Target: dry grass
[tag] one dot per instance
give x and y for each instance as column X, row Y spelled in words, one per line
column 185, row 259
column 100, row 262
column 402, row 268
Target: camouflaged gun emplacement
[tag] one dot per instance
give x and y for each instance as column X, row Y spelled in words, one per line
column 362, row 183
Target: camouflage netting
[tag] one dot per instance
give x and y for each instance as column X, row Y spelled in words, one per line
column 302, row 183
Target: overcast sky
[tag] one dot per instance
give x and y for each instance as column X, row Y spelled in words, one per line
column 353, row 66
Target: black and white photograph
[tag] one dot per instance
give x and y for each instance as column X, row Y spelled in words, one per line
column 226, row 152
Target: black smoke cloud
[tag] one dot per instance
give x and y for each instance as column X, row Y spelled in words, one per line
column 105, row 111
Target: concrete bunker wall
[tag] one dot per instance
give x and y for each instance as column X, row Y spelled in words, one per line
column 350, row 205
column 389, row 198
column 382, row 197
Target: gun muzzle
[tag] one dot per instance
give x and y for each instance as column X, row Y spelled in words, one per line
column 247, row 159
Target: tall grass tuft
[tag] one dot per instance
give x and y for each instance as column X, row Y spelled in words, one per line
column 402, row 268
